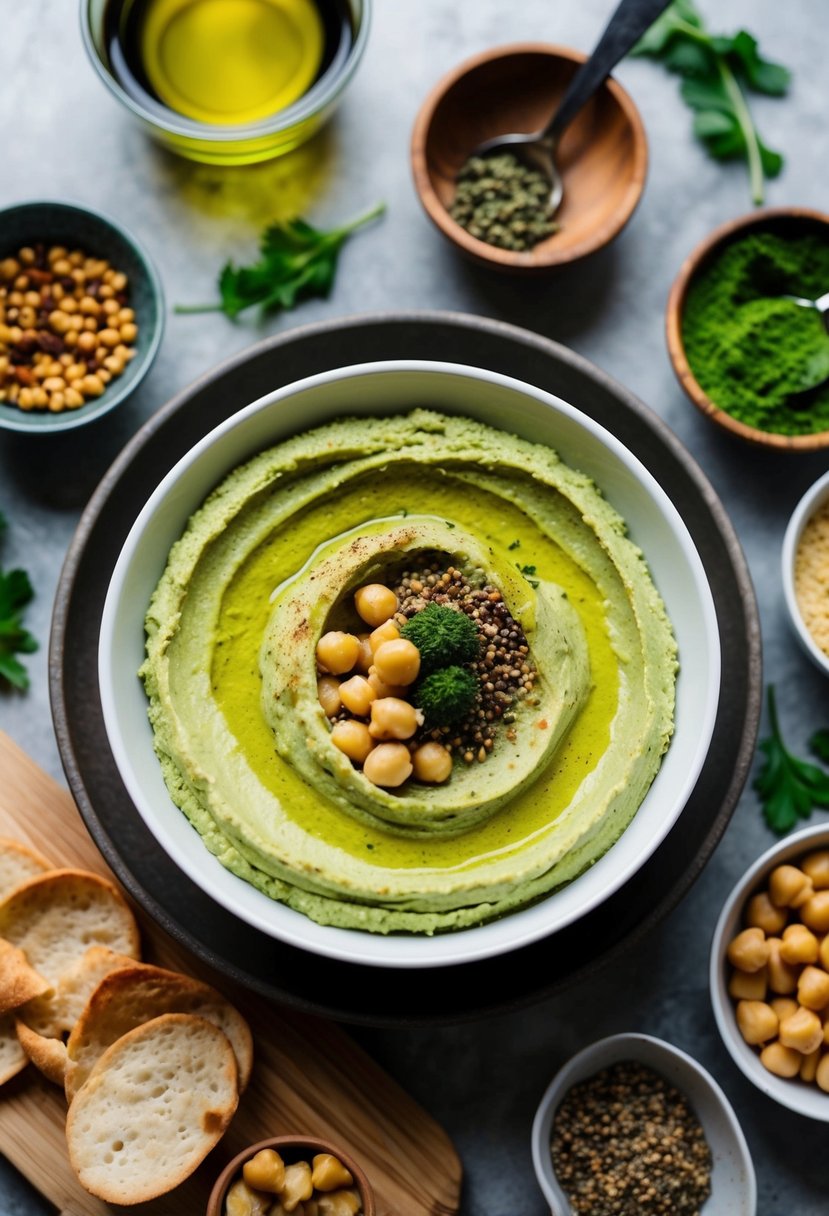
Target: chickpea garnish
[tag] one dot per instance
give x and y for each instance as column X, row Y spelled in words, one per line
column 432, row 763
column 799, row 945
column 337, row 652
column 749, row 951
column 392, row 718
column 329, row 1173
column 761, row 913
column 816, row 867
column 802, row 1030
column 353, row 740
column 782, row 1061
column 56, row 311
column 757, row 1021
column 265, row 1171
column 375, row 603
column 789, row 887
column 357, row 695
column 389, row 765
column 384, row 633
column 328, row 691
column 397, row 662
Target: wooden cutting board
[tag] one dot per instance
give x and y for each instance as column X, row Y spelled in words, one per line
column 309, row 1077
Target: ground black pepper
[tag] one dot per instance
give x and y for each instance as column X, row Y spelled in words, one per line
column 626, row 1143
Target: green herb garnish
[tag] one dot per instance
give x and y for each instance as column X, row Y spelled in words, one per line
column 790, row 788
column 443, row 636
column 447, row 695
column 717, row 71
column 15, row 593
column 516, row 544
column 297, row 261
column 529, row 574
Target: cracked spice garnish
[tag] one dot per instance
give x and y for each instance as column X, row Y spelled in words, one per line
column 626, row 1143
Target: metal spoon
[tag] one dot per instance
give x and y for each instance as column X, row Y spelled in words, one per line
column 627, row 25
column 821, row 305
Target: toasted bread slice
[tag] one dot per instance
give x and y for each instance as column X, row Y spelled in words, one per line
column 19, row 982
column 55, row 917
column 13, row 1058
column 54, row 1014
column 130, row 996
column 152, row 1108
column 18, row 863
column 47, row 1055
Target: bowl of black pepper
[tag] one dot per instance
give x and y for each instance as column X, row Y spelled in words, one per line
column 495, row 209
column 81, row 316
column 633, row 1124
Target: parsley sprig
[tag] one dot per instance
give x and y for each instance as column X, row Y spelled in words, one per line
column 790, row 788
column 717, row 72
column 296, row 261
column 15, row 593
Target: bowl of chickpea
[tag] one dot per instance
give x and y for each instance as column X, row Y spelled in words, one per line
column 81, row 316
column 769, row 973
column 292, row 1173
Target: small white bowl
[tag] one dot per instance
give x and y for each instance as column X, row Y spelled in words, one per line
column 812, row 501
column 733, row 1184
column 806, row 1099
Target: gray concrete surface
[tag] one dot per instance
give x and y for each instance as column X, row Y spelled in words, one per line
column 62, row 136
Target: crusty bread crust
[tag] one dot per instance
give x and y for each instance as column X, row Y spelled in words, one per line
column 18, row 862
column 47, row 1055
column 19, row 982
column 132, row 995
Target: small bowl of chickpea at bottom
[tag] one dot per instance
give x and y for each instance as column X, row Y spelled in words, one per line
column 292, row 1176
column 770, row 973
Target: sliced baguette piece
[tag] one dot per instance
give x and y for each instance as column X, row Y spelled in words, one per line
column 47, row 1055
column 19, row 982
column 153, row 1107
column 54, row 1014
column 13, row 1058
column 127, row 997
column 18, row 862
column 55, row 917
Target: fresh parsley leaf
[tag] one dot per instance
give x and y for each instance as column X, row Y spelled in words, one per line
column 789, row 788
column 15, row 593
column 717, row 71
column 296, row 261
column 819, row 744
column 516, row 544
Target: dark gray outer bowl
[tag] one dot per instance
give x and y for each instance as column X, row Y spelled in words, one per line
column 77, row 227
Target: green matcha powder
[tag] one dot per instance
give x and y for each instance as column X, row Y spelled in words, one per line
column 753, row 352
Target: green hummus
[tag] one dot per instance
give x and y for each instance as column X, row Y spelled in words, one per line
column 230, row 674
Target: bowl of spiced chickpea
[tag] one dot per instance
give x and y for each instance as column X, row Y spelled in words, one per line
column 770, row 973
column 81, row 316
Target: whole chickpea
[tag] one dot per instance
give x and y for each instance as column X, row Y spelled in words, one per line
column 782, row 1061
column 432, row 763
column 808, row 1069
column 265, row 1171
column 802, row 1030
column 757, row 1021
column 366, row 655
column 745, row 986
column 393, row 718
column 357, row 695
column 815, row 912
column 388, row 765
column 749, row 951
column 816, row 867
column 383, row 633
column 397, row 662
column 761, row 913
column 375, row 603
column 782, row 975
column 353, row 740
column 813, row 988
column 789, row 887
column 799, row 945
column 328, row 691
column 337, row 652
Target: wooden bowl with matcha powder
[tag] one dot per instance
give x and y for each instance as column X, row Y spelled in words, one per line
column 750, row 359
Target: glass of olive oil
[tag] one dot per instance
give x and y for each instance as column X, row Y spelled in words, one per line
column 227, row 81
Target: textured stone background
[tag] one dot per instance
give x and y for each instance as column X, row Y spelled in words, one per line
column 62, row 136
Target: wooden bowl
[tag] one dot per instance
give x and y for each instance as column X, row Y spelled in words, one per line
column 290, row 1148
column 781, row 220
column 602, row 155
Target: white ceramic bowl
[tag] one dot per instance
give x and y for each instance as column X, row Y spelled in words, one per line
column 733, row 1185
column 812, row 500
column 378, row 389
column 806, row 1099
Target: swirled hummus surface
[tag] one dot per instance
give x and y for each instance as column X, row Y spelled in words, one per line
column 230, row 677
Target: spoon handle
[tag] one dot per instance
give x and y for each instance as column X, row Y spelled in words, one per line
column 627, row 25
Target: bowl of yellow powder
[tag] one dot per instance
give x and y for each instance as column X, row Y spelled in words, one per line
column 806, row 572
column 748, row 356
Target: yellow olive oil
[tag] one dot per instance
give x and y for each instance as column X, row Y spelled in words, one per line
column 225, row 62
